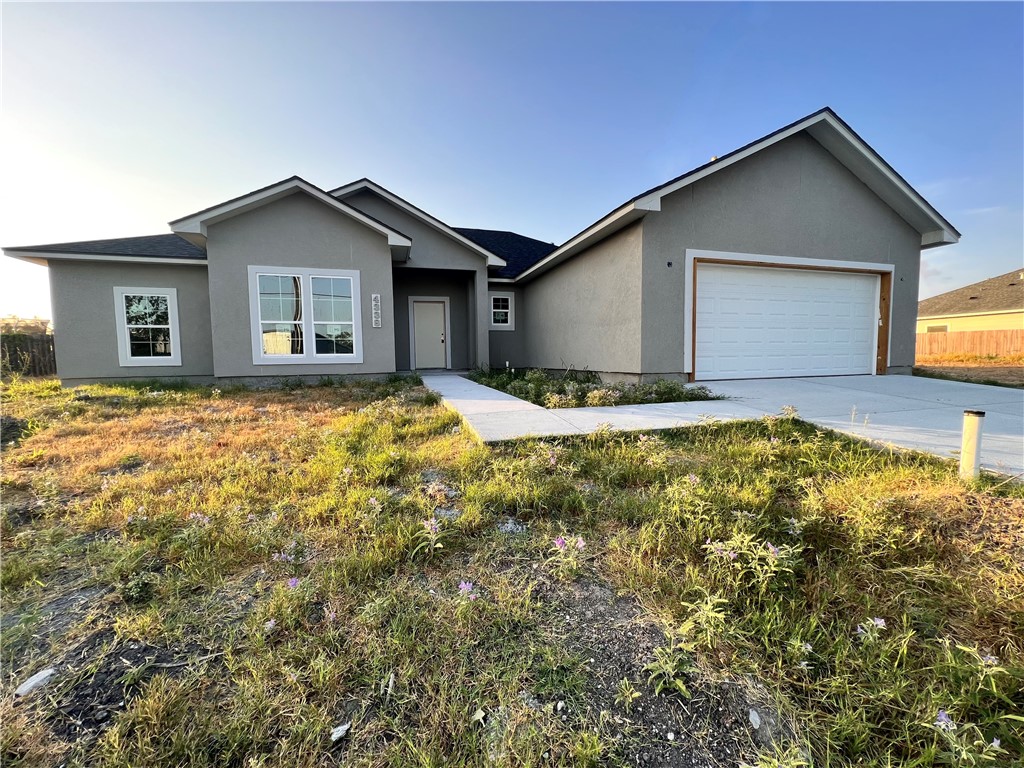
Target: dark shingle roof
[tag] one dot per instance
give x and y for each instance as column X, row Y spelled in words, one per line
column 520, row 252
column 159, row 246
column 997, row 294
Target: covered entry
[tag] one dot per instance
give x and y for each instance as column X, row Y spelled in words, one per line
column 768, row 322
column 433, row 319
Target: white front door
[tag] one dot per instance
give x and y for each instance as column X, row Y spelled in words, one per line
column 768, row 322
column 428, row 334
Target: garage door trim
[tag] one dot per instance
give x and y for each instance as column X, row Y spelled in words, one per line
column 695, row 256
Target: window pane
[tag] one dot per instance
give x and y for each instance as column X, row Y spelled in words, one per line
column 281, row 338
column 146, row 310
column 500, row 302
column 149, row 342
column 334, row 338
column 500, row 318
column 332, row 299
column 280, row 298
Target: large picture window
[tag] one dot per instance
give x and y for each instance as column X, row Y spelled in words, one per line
column 147, row 326
column 305, row 315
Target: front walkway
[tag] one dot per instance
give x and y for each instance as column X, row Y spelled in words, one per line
column 908, row 412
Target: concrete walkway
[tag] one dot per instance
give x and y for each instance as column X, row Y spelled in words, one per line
column 908, row 412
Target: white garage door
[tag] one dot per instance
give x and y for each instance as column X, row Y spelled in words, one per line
column 768, row 322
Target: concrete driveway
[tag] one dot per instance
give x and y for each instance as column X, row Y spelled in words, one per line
column 907, row 411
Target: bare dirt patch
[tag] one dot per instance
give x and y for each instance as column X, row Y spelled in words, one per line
column 713, row 727
column 1006, row 375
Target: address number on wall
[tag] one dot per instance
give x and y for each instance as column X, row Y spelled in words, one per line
column 375, row 307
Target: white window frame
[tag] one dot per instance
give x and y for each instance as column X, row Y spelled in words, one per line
column 124, row 356
column 309, row 354
column 511, row 325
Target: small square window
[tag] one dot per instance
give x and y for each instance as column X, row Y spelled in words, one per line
column 503, row 311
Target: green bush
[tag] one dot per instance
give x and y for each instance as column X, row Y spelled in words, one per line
column 573, row 388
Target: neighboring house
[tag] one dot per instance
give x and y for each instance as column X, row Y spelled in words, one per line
column 796, row 255
column 995, row 304
column 29, row 325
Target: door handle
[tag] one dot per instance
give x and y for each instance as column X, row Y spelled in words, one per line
column 442, row 338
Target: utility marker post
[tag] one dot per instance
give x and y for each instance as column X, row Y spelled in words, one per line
column 970, row 445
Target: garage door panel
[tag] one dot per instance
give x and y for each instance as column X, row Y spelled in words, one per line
column 758, row 322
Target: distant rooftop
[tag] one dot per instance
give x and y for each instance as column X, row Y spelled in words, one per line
column 997, row 294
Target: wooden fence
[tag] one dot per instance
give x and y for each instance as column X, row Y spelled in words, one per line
column 28, row 354
column 1000, row 343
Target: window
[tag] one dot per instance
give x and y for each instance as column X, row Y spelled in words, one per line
column 503, row 317
column 304, row 315
column 147, row 326
column 937, row 329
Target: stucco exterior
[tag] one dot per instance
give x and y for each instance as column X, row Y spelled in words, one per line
column 508, row 347
column 586, row 313
column 85, row 318
column 434, row 250
column 792, row 199
column 301, row 232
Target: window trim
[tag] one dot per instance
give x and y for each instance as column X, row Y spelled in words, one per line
column 511, row 325
column 124, row 356
column 309, row 354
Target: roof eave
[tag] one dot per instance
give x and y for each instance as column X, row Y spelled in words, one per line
column 44, row 257
column 194, row 227
column 493, row 260
column 609, row 225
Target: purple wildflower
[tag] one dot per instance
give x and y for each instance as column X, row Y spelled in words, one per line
column 694, row 480
column 996, row 743
column 560, row 543
column 772, row 549
column 293, row 582
column 269, row 626
column 989, row 660
column 330, row 616
column 879, row 623
column 944, row 722
column 465, row 587
column 731, row 555
column 580, row 543
column 431, row 525
column 806, row 648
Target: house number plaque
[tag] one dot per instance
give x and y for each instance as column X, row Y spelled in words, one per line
column 375, row 307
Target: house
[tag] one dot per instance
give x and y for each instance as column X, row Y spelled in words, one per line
column 995, row 304
column 796, row 255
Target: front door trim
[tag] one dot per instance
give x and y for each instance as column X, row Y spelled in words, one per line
column 447, row 329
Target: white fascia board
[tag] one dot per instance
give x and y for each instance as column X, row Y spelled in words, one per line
column 37, row 257
column 198, row 223
column 610, row 224
column 942, row 236
column 341, row 192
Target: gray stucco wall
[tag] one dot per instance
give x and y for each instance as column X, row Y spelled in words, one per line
column 510, row 346
column 85, row 319
column 453, row 285
column 586, row 312
column 792, row 199
column 432, row 249
column 295, row 231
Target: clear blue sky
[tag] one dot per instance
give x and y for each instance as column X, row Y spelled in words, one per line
column 538, row 118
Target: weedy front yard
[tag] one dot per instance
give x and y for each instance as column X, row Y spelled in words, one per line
column 338, row 575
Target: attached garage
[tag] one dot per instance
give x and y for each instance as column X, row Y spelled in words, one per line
column 772, row 321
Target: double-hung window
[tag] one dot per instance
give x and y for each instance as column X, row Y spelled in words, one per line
column 305, row 315
column 147, row 326
column 503, row 312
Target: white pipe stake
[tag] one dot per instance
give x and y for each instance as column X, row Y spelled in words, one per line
column 970, row 445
